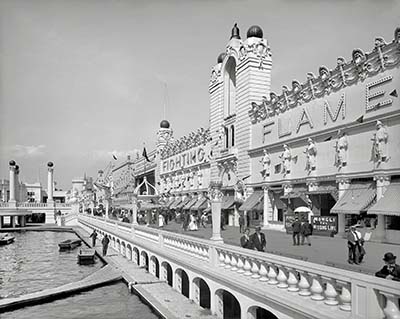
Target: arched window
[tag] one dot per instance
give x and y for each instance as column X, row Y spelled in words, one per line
column 230, row 87
column 226, row 133
column 232, row 135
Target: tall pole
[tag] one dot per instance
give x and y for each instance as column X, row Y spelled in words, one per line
column 12, row 182
column 50, row 170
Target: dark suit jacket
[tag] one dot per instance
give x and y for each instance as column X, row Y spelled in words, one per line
column 259, row 245
column 246, row 243
column 385, row 272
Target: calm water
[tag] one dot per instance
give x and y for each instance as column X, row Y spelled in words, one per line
column 110, row 302
column 33, row 262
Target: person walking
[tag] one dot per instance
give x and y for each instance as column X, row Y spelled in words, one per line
column 258, row 240
column 296, row 227
column 306, row 231
column 245, row 240
column 93, row 236
column 241, row 223
column 204, row 218
column 105, row 241
column 391, row 270
column 353, row 243
column 222, row 221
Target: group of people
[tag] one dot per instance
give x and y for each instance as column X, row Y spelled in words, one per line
column 104, row 242
column 255, row 241
column 302, row 229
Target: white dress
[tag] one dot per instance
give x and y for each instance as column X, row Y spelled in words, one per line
column 160, row 220
column 193, row 224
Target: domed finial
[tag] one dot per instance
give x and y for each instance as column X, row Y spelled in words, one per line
column 255, row 31
column 221, row 57
column 12, row 163
column 164, row 124
column 50, row 164
column 235, row 32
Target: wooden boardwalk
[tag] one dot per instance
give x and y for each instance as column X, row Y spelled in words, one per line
column 103, row 276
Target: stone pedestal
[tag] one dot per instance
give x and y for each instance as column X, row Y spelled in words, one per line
column 216, row 202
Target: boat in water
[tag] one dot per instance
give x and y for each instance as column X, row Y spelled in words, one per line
column 86, row 256
column 6, row 239
column 69, row 244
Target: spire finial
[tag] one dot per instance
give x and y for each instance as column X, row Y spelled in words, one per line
column 235, row 32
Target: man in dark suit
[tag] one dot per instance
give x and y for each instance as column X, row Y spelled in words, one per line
column 258, row 239
column 245, row 240
column 296, row 227
column 391, row 270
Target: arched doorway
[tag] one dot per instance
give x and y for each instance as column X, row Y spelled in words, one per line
column 256, row 312
column 129, row 252
column 182, row 282
column 118, row 246
column 155, row 266
column 201, row 293
column 123, row 249
column 167, row 272
column 228, row 307
column 135, row 255
column 144, row 261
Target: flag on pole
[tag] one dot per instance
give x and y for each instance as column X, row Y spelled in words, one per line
column 145, row 154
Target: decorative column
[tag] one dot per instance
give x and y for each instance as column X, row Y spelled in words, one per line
column 343, row 185
column 216, row 202
column 12, row 182
column 107, row 208
column 134, row 210
column 382, row 181
column 50, row 170
column 267, row 207
column 17, row 188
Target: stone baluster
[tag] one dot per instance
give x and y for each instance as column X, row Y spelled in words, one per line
column 293, row 281
column 227, row 261
column 345, row 296
column 282, row 278
column 233, row 263
column 255, row 269
column 247, row 267
column 330, row 293
column 272, row 276
column 240, row 265
column 316, row 288
column 263, row 272
column 391, row 309
column 304, row 285
column 221, row 259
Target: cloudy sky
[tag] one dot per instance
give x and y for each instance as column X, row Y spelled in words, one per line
column 80, row 80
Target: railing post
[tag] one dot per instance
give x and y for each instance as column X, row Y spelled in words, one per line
column 161, row 240
column 213, row 254
column 365, row 301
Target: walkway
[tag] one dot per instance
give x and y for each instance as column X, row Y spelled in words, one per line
column 165, row 300
column 100, row 278
column 324, row 250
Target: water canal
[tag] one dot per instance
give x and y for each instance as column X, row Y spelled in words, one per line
column 33, row 263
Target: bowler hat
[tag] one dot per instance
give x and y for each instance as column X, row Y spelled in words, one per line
column 258, row 227
column 389, row 257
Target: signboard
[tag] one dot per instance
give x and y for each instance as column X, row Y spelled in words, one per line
column 186, row 159
column 324, row 225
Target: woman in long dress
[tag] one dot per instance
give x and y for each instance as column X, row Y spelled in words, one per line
column 161, row 220
column 193, row 223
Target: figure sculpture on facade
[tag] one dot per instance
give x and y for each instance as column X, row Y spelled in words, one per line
column 266, row 162
column 286, row 157
column 199, row 178
column 341, row 149
column 379, row 148
column 311, row 154
column 191, row 179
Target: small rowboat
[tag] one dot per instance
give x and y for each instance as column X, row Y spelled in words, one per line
column 70, row 244
column 86, row 256
column 6, row 239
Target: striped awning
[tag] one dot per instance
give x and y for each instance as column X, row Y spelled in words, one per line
column 251, row 202
column 227, row 202
column 389, row 204
column 170, row 202
column 325, row 189
column 175, row 203
column 190, row 203
column 183, row 203
column 357, row 198
column 200, row 204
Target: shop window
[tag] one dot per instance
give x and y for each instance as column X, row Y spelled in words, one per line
column 393, row 222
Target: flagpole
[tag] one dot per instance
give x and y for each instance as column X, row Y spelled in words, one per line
column 144, row 147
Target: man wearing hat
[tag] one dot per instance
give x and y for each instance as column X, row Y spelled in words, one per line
column 391, row 270
column 353, row 242
column 258, row 239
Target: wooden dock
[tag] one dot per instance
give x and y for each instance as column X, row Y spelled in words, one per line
column 103, row 276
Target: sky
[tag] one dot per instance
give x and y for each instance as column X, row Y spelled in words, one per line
column 81, row 80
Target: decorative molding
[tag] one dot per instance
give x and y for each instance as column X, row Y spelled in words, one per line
column 384, row 56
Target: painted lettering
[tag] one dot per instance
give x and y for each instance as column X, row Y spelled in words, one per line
column 284, row 127
column 370, row 97
column 341, row 108
column 200, row 155
column 171, row 164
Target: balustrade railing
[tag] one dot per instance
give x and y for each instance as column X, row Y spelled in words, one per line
column 338, row 289
column 4, row 204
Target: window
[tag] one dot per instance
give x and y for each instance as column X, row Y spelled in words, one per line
column 226, row 133
column 232, row 135
column 230, row 87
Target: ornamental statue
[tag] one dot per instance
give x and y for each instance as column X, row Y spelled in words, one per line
column 311, row 154
column 379, row 147
column 286, row 157
column 341, row 149
column 266, row 162
column 191, row 179
column 199, row 178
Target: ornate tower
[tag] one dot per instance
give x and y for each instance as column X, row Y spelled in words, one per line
column 242, row 75
column 164, row 134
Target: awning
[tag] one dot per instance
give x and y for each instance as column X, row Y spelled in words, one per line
column 207, row 210
column 279, row 204
column 325, row 189
column 170, row 202
column 183, row 203
column 389, row 204
column 296, row 193
column 148, row 206
column 227, row 202
column 252, row 201
column 357, row 198
column 190, row 203
column 175, row 203
column 200, row 204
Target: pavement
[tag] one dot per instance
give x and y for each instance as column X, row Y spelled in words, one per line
column 330, row 251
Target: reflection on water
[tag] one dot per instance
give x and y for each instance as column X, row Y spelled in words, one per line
column 33, row 262
column 110, row 302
